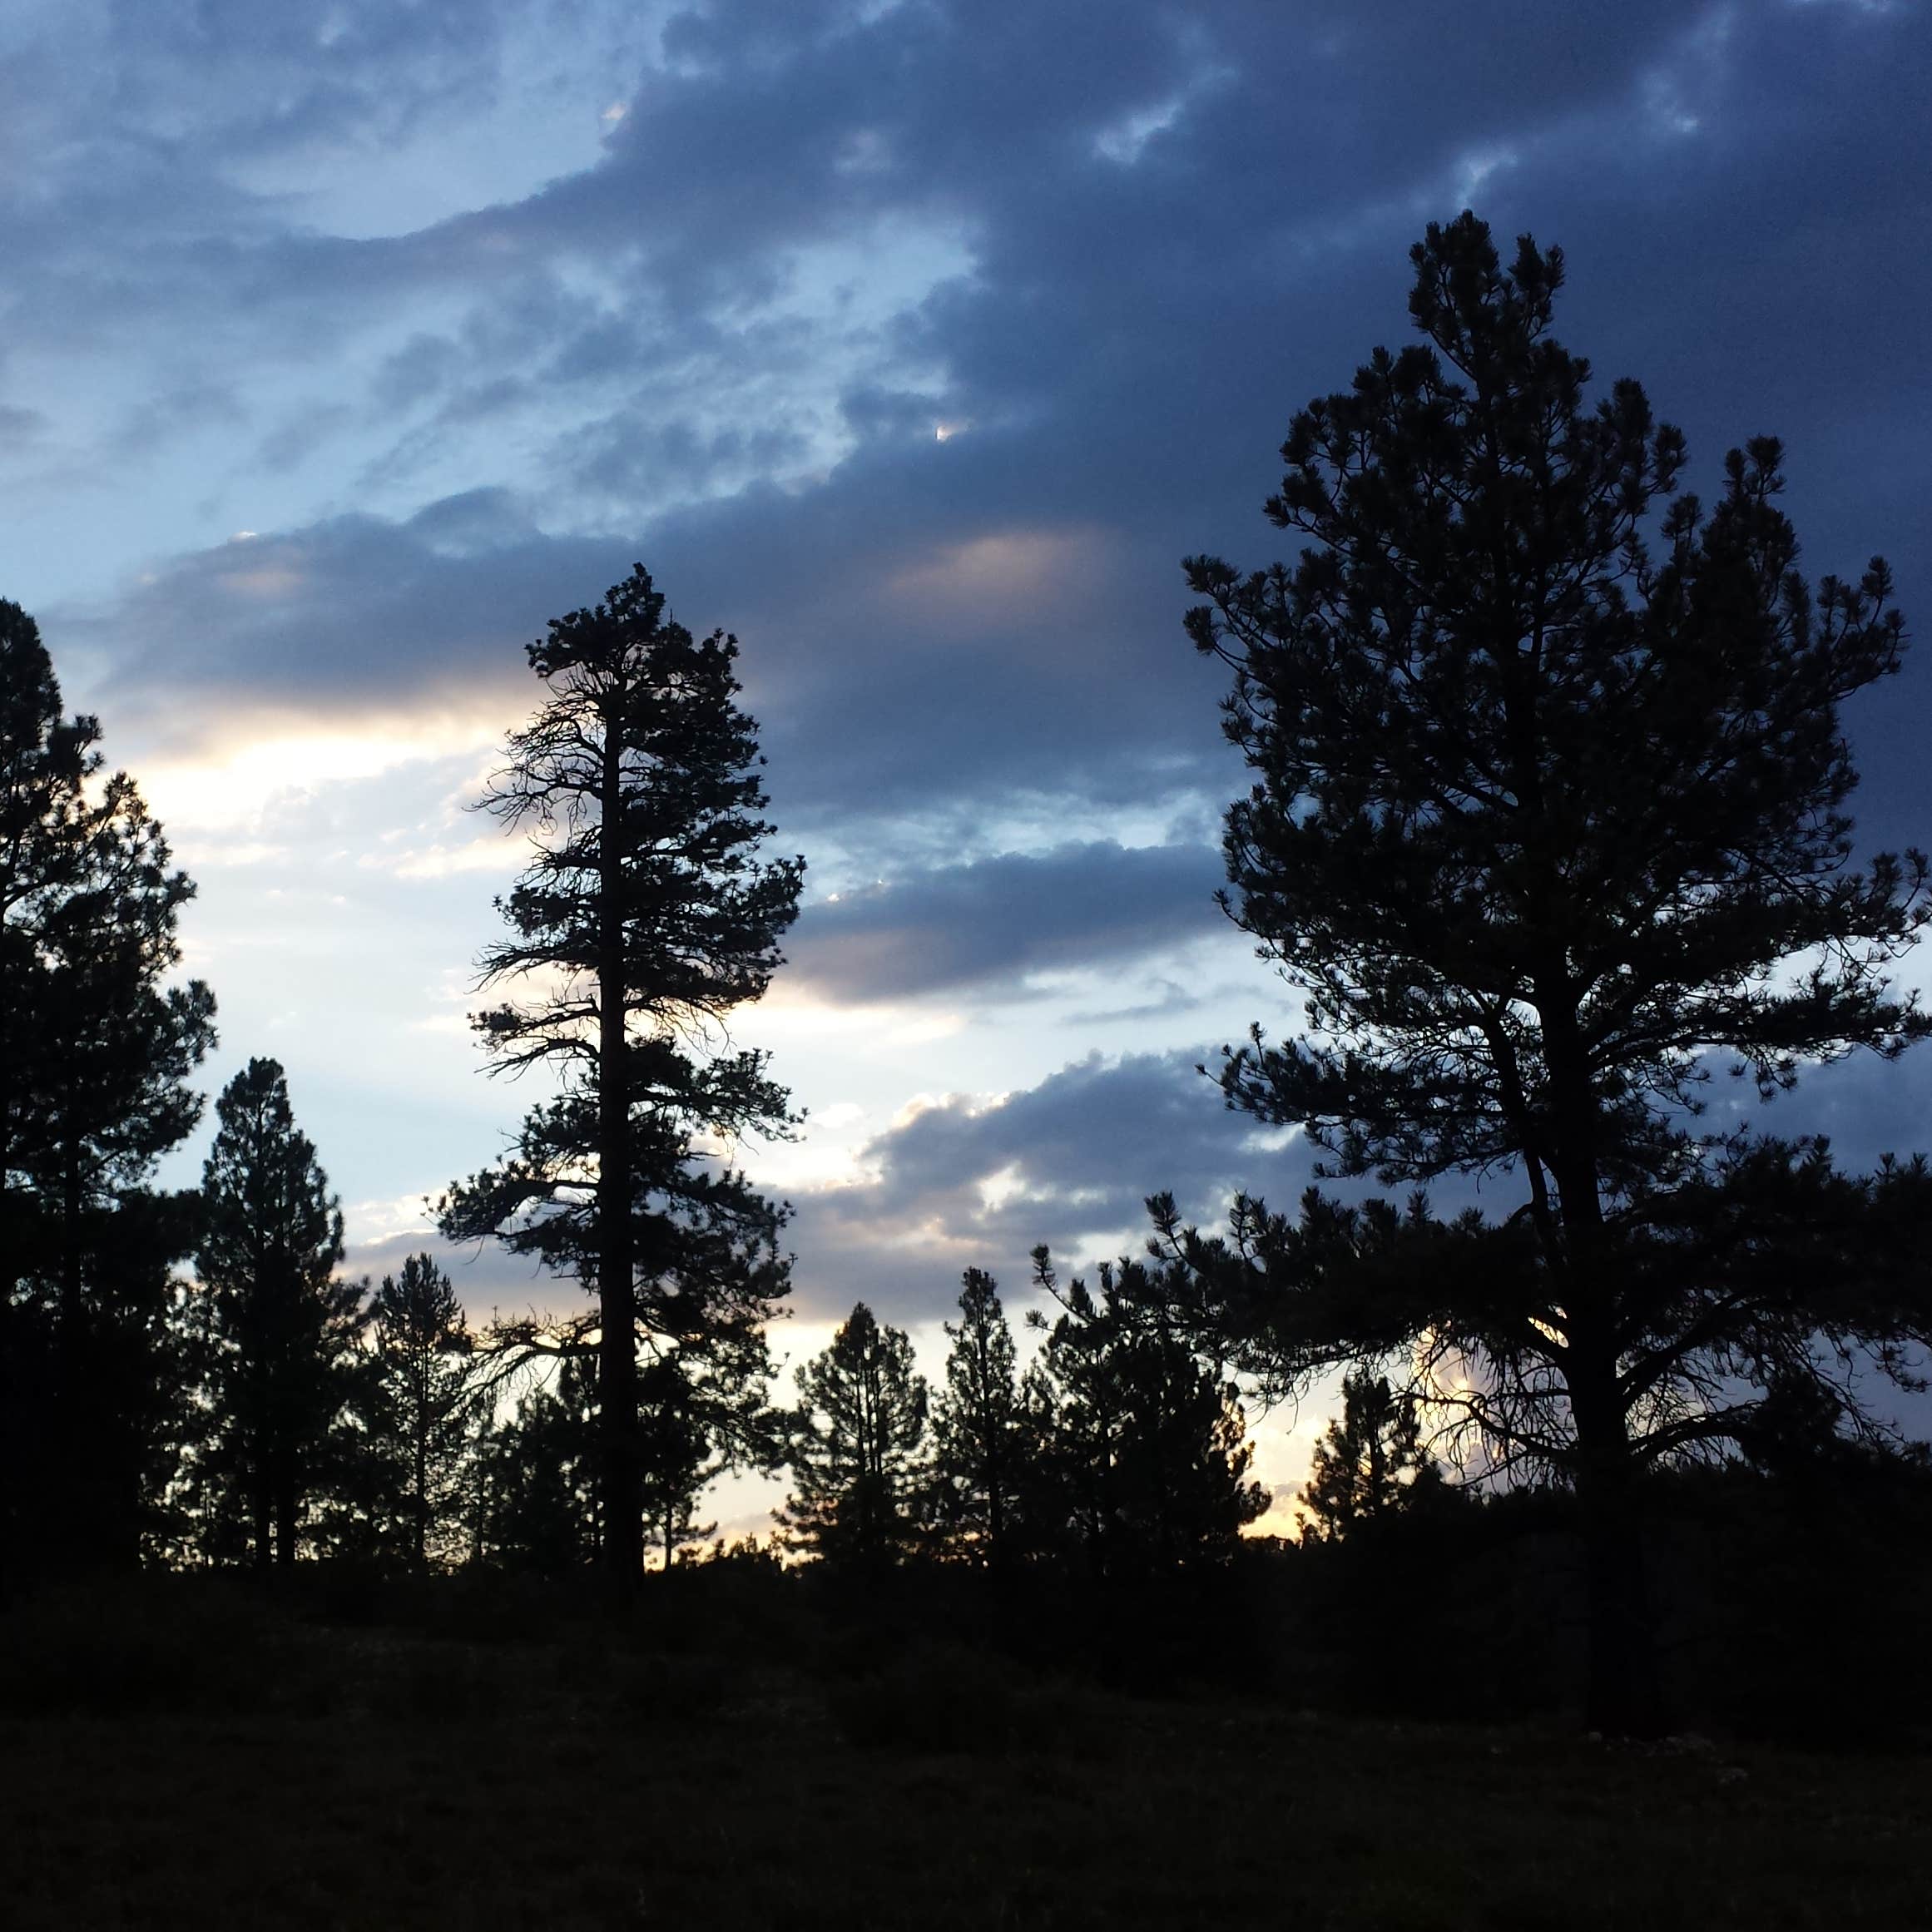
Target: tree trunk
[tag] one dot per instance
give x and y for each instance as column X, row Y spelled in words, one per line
column 421, row 1499
column 262, row 1508
column 617, row 1260
column 1621, row 1697
column 1621, row 1694
column 287, row 1509
column 72, row 1525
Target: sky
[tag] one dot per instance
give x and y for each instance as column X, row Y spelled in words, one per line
column 344, row 342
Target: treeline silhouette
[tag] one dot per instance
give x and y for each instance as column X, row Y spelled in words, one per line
column 262, row 1408
column 1547, row 821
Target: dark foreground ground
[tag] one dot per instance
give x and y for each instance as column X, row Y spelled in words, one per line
column 228, row 1770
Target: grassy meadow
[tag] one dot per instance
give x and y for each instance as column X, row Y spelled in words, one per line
column 193, row 1755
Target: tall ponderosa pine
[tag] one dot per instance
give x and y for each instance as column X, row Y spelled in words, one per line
column 987, row 1425
column 1548, row 811
column 424, row 1396
column 645, row 917
column 284, row 1363
column 94, row 1053
column 857, row 1467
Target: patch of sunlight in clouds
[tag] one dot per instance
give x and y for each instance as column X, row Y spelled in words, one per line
column 455, row 1024
column 1122, row 141
column 501, row 852
column 788, row 1016
column 270, row 581
column 401, row 1217
column 825, row 1157
column 813, row 1166
column 205, row 854
column 1007, row 1183
column 1011, row 576
column 228, row 787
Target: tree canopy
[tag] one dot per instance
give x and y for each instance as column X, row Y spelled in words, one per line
column 646, row 916
column 1548, row 823
column 422, row 1402
column 860, row 1427
column 98, row 1040
column 282, row 1329
column 986, row 1427
column 1371, row 1461
column 1147, row 1456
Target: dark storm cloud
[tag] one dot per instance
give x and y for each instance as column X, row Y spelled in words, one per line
column 922, row 682
column 346, row 618
column 965, row 1183
column 1075, row 149
column 1176, row 228
column 989, row 925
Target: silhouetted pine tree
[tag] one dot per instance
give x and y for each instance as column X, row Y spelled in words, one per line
column 1147, row 1446
column 536, row 1477
column 988, row 1425
column 421, row 1397
column 676, row 1445
column 282, row 1364
column 95, row 1052
column 644, row 918
column 1370, row 1462
column 857, row 1469
column 1543, row 818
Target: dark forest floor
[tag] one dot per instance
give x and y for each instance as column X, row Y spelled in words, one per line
column 328, row 1777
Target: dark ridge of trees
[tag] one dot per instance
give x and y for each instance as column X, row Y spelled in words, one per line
column 1548, row 810
column 96, row 1050
column 283, row 1364
column 1119, row 1450
column 645, row 917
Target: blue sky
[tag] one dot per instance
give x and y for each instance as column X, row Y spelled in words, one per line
column 346, row 343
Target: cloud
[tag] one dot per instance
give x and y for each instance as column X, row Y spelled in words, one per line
column 392, row 287
column 991, row 924
column 966, row 1181
column 350, row 618
column 928, row 702
column 976, row 1180
column 723, row 342
column 1866, row 1107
